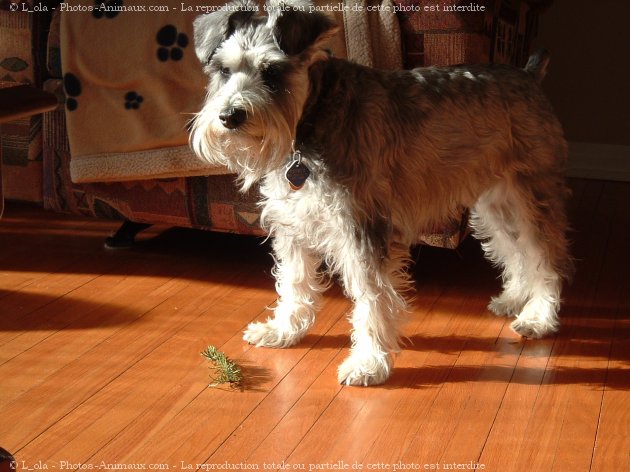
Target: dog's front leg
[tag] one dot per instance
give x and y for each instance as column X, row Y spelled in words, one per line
column 299, row 285
column 378, row 307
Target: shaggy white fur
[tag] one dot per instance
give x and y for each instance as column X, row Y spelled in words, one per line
column 391, row 155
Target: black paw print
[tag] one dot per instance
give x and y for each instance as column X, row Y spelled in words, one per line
column 172, row 43
column 72, row 87
column 110, row 10
column 133, row 100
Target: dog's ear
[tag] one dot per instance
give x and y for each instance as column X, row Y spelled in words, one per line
column 211, row 29
column 297, row 26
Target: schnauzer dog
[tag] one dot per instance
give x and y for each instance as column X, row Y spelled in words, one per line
column 354, row 163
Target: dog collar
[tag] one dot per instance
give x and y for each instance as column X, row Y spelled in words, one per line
column 297, row 172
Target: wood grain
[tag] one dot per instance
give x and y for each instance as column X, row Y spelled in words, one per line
column 100, row 364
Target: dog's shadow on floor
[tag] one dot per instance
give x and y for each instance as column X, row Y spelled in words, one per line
column 431, row 376
column 435, row 376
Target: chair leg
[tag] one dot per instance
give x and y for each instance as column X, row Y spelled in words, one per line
column 124, row 237
column 7, row 462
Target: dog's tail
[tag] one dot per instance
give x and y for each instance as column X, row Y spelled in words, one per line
column 537, row 64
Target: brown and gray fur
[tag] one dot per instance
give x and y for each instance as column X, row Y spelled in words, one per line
column 392, row 155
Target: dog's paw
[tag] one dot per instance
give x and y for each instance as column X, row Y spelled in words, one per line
column 537, row 319
column 532, row 328
column 269, row 335
column 364, row 372
column 505, row 306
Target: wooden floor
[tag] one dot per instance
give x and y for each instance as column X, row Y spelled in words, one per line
column 100, row 366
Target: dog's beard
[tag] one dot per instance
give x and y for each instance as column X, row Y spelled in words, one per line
column 257, row 147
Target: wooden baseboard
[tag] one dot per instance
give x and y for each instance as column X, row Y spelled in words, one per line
column 599, row 161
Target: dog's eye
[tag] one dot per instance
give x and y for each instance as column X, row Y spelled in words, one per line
column 272, row 75
column 225, row 71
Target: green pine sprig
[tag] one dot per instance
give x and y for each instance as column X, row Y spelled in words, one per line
column 224, row 369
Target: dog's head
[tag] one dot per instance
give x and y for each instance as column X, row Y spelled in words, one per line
column 257, row 60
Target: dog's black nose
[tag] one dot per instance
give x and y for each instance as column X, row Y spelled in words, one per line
column 233, row 117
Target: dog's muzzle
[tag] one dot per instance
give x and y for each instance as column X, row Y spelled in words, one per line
column 232, row 118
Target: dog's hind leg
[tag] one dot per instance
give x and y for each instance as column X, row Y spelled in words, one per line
column 299, row 285
column 494, row 221
column 376, row 288
column 524, row 228
column 546, row 261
